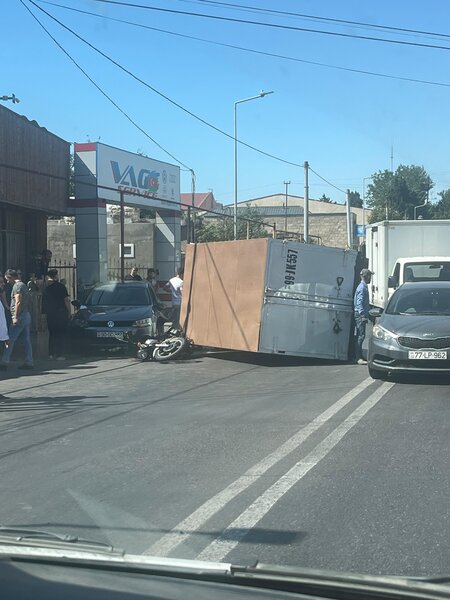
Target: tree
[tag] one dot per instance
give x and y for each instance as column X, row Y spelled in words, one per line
column 398, row 193
column 355, row 200
column 441, row 210
column 324, row 198
column 222, row 229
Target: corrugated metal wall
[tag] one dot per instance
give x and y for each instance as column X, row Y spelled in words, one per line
column 27, row 197
column 26, row 145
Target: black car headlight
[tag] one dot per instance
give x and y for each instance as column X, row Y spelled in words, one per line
column 380, row 333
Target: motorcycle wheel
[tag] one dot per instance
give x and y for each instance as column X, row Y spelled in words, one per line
column 175, row 346
column 144, row 354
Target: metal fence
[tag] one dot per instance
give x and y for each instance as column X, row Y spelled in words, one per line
column 114, row 269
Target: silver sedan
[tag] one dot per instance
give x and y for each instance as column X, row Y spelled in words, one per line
column 413, row 333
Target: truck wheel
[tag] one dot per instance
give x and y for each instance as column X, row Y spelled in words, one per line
column 376, row 374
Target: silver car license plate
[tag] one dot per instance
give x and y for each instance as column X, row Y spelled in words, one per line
column 427, row 354
column 110, row 334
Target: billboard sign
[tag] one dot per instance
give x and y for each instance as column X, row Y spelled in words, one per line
column 145, row 182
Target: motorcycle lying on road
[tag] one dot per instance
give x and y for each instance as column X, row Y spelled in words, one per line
column 172, row 344
column 165, row 345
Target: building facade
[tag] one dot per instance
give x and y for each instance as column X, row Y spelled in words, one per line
column 34, row 183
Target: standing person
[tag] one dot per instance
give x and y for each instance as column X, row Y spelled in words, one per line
column 46, row 257
column 33, row 285
column 151, row 278
column 56, row 305
column 21, row 321
column 3, row 299
column 361, row 307
column 133, row 275
column 4, row 337
column 175, row 285
column 4, row 311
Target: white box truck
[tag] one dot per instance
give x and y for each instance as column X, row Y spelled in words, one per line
column 400, row 251
column 269, row 296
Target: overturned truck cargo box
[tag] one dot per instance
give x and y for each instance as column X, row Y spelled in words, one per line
column 269, row 296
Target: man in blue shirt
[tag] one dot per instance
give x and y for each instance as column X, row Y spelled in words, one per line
column 361, row 306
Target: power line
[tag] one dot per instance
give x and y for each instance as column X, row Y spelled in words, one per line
column 251, row 50
column 156, row 91
column 138, row 194
column 326, row 181
column 123, row 68
column 319, row 18
column 126, row 115
column 274, row 25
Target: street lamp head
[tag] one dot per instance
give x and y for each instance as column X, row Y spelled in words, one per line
column 262, row 93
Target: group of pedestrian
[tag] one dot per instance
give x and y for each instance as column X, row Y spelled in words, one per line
column 15, row 315
column 174, row 286
column 133, row 275
column 20, row 314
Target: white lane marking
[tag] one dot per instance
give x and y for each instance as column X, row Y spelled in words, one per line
column 199, row 517
column 233, row 534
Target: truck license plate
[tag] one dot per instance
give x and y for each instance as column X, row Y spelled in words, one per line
column 110, row 334
column 427, row 355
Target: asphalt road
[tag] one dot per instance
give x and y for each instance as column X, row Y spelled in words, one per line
column 233, row 457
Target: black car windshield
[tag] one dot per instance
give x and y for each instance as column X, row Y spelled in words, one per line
column 119, row 296
column 428, row 301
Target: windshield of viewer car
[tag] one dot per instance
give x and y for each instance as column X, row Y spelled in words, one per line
column 420, row 302
column 119, row 296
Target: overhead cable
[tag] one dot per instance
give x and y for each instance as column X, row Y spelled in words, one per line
column 273, row 25
column 321, row 18
column 326, row 181
column 101, row 90
column 250, row 50
column 159, row 93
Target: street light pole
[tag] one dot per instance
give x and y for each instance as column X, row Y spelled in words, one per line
column 14, row 99
column 260, row 95
column 286, row 183
column 421, row 205
column 364, row 199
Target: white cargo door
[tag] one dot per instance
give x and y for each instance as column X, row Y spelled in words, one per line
column 308, row 300
column 376, row 255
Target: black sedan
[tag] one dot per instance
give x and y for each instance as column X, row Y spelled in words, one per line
column 413, row 333
column 114, row 312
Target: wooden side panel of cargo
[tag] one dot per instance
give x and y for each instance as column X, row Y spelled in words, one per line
column 223, row 293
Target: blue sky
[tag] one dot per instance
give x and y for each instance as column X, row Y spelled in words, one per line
column 343, row 123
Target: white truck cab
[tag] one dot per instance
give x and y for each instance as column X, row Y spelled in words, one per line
column 419, row 268
column 400, row 251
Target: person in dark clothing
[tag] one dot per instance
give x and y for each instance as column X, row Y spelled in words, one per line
column 44, row 263
column 133, row 275
column 56, row 305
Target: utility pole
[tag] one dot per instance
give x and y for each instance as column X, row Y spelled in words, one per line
column 349, row 222
column 306, row 205
column 392, row 158
column 122, row 237
column 192, row 233
column 286, row 183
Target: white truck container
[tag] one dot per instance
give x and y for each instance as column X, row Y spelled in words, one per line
column 269, row 296
column 400, row 251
